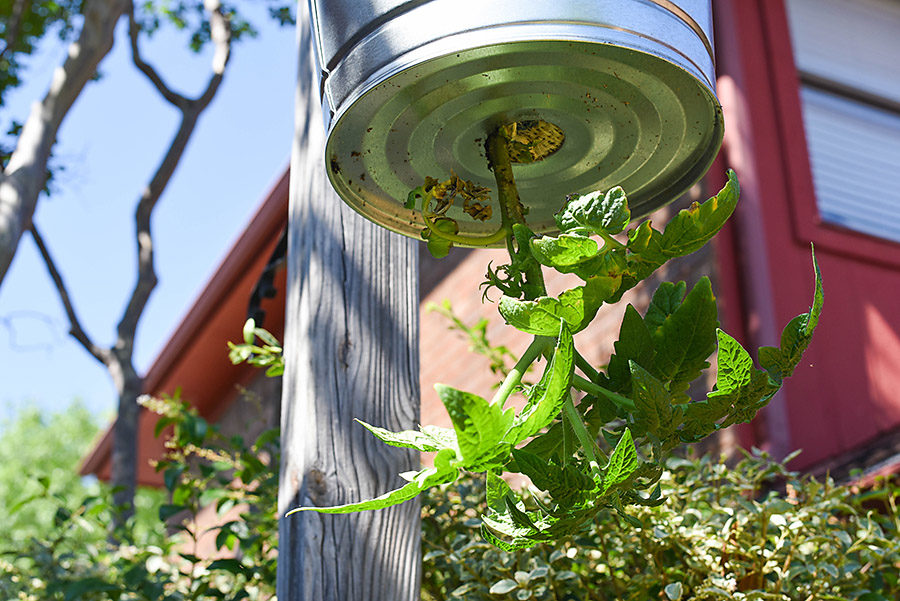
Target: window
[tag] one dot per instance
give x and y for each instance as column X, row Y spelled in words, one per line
column 848, row 57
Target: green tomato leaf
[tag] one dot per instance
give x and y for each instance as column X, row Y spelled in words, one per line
column 479, row 425
column 575, row 307
column 543, row 474
column 441, row 473
column 496, row 491
column 413, row 198
column 508, row 517
column 685, row 339
column 634, row 345
column 564, row 251
column 666, row 300
column 415, row 439
column 566, row 484
column 622, row 463
column 735, row 366
column 579, row 305
column 741, row 391
column 609, row 266
column 444, row 438
column 554, row 384
column 597, row 212
column 438, row 246
column 517, row 542
column 503, row 501
column 780, row 362
column 529, row 316
column 645, row 251
column 655, row 411
column 693, row 227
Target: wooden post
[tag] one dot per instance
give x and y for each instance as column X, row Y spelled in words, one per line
column 351, row 348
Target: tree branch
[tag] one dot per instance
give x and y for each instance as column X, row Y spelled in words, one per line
column 26, row 170
column 165, row 91
column 15, row 26
column 221, row 36
column 75, row 328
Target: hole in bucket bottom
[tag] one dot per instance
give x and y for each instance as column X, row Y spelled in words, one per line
column 533, row 140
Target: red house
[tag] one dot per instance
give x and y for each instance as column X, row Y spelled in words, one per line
column 811, row 95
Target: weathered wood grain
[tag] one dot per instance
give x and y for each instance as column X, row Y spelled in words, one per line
column 351, row 348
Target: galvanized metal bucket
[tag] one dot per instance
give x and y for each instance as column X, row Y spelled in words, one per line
column 412, row 89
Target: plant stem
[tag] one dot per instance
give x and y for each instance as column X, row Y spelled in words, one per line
column 477, row 241
column 514, row 377
column 511, row 210
column 612, row 242
column 584, row 437
column 583, row 364
column 589, row 387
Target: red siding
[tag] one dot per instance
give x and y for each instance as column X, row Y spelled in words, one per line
column 844, row 393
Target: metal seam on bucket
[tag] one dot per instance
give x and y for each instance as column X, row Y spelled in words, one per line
column 370, row 28
column 686, row 18
column 375, row 31
column 388, row 70
column 406, row 7
column 413, row 56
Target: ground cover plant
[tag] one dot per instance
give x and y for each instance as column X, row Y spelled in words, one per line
column 608, row 452
column 753, row 530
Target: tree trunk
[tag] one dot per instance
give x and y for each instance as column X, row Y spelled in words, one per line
column 351, row 345
column 26, row 172
column 123, row 471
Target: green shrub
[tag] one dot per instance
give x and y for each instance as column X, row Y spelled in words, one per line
column 74, row 559
column 752, row 531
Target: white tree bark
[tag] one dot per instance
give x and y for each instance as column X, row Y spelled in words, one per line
column 351, row 346
column 26, row 172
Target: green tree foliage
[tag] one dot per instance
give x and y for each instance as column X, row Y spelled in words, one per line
column 26, row 24
column 23, row 24
column 39, row 457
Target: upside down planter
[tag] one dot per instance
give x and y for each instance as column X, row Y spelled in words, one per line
column 623, row 89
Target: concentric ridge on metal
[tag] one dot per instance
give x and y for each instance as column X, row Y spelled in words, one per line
column 412, row 89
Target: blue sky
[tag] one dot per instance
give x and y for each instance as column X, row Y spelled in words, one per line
column 110, row 144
